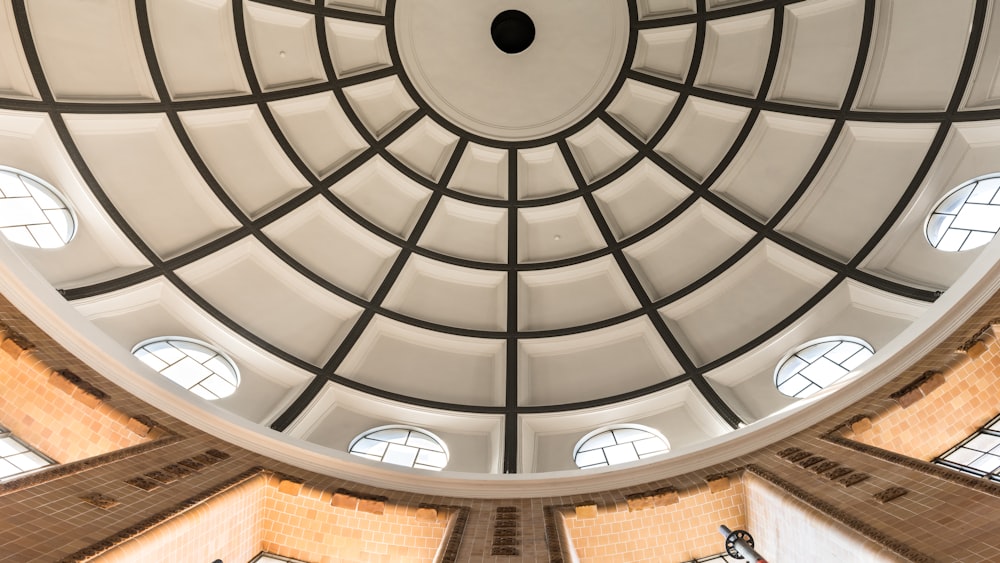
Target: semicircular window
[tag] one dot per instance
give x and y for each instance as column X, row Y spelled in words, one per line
column 402, row 445
column 817, row 364
column 618, row 444
column 32, row 212
column 968, row 217
column 192, row 364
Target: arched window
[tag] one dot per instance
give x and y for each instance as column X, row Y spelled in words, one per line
column 192, row 364
column 32, row 212
column 621, row 443
column 968, row 217
column 402, row 445
column 817, row 364
column 17, row 458
column 978, row 455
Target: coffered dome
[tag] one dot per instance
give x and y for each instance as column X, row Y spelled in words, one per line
column 389, row 213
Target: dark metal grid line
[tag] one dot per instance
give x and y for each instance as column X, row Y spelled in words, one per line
column 717, row 14
column 511, row 438
column 893, row 117
column 237, row 100
column 322, row 10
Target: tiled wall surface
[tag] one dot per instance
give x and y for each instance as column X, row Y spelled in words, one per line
column 228, row 527
column 52, row 420
column 678, row 532
column 257, row 515
column 784, row 528
column 939, row 518
column 306, row 526
column 968, row 399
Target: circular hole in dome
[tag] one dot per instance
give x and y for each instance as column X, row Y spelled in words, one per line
column 401, row 445
column 621, row 443
column 512, row 31
column 819, row 363
column 32, row 212
column 968, row 217
column 192, row 364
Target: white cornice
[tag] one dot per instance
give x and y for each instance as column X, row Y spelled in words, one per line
column 33, row 295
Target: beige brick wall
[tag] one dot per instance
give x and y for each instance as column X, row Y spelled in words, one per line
column 65, row 426
column 969, row 398
column 256, row 516
column 682, row 531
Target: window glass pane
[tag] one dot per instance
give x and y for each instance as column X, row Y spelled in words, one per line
column 20, row 211
column 165, row 351
column 823, row 372
column 843, row 351
column 431, row 458
column 198, row 353
column 398, row 454
column 421, row 440
column 937, row 227
column 591, row 458
column 10, row 446
column 794, row 386
column 602, row 440
column 857, row 359
column 987, row 463
column 621, row 453
column 8, row 469
column 623, row 435
column 791, row 367
column 19, row 235
column 397, row 435
column 218, row 386
column 983, row 192
column 369, row 446
column 650, row 446
column 150, row 360
column 814, row 352
column 983, row 443
column 186, row 372
column 45, row 236
column 27, row 461
column 12, row 186
column 963, row 456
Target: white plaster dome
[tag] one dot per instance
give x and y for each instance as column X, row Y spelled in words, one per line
column 382, row 218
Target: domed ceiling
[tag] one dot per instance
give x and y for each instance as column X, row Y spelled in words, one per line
column 384, row 217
